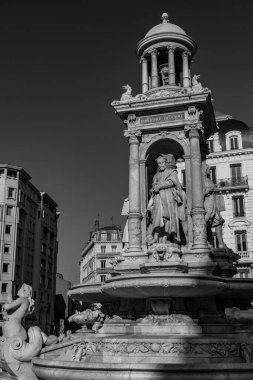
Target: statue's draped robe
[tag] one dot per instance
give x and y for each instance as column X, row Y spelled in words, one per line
column 168, row 204
column 213, row 203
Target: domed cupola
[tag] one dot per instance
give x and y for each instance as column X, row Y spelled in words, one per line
column 166, row 53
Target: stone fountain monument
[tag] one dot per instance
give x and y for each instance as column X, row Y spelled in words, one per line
column 171, row 308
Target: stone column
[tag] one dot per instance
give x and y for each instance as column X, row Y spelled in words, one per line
column 134, row 216
column 185, row 63
column 154, row 69
column 197, row 211
column 171, row 66
column 144, row 74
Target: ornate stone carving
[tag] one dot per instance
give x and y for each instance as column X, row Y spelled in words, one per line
column 133, row 135
column 196, row 85
column 127, row 94
column 79, row 351
column 193, row 114
column 161, row 252
column 18, row 346
column 90, row 318
column 235, row 314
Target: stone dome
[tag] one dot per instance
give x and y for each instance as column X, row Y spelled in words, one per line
column 165, row 27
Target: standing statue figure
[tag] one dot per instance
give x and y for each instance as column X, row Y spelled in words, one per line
column 167, row 204
column 213, row 204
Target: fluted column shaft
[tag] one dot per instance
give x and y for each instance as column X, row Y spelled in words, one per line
column 144, row 75
column 171, row 66
column 134, row 216
column 197, row 211
column 185, row 62
column 154, row 69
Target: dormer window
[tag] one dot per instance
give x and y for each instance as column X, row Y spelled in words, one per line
column 233, row 140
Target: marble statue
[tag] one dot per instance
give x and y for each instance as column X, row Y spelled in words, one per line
column 127, row 94
column 213, row 204
column 167, row 203
column 89, row 317
column 19, row 346
column 196, row 85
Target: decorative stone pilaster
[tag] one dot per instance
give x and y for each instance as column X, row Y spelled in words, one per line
column 171, row 65
column 194, row 127
column 185, row 63
column 154, row 69
column 134, row 216
column 144, row 63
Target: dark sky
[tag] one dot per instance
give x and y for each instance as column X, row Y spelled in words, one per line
column 61, row 65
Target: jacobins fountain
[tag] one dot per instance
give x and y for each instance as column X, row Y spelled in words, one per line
column 171, row 308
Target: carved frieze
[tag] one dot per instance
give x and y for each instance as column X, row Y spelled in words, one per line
column 79, row 351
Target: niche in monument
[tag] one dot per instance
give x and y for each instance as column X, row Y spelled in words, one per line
column 166, row 217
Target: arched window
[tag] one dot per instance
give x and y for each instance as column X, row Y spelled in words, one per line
column 233, row 142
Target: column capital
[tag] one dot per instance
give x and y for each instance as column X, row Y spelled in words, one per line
column 186, row 53
column 153, row 51
column 143, row 59
column 194, row 129
column 171, row 47
column 133, row 136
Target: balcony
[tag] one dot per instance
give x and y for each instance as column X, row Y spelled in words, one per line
column 227, row 184
column 245, row 255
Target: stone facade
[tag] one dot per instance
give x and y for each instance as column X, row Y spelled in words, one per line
column 29, row 246
column 104, row 245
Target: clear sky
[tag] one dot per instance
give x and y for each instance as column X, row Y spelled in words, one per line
column 61, row 65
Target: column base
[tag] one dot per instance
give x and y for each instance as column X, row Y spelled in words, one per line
column 199, row 261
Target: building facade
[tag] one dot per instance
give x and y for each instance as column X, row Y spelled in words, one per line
column 28, row 243
column 231, row 168
column 103, row 246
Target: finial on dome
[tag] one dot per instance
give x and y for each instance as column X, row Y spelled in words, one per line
column 165, row 18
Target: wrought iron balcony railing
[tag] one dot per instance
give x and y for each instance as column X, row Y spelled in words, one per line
column 245, row 254
column 226, row 183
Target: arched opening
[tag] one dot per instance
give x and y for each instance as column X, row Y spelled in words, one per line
column 163, row 146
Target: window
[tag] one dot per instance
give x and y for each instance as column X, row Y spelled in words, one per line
column 114, row 235
column 1, row 312
column 103, row 262
column 241, row 241
column 4, row 287
column 236, row 173
column 210, row 146
column 7, row 229
column 114, row 248
column 11, row 193
column 103, row 236
column 233, row 140
column 11, row 174
column 103, row 248
column 5, row 267
column 102, row 278
column 238, row 205
column 243, row 272
column 7, row 248
column 9, row 210
column 213, row 174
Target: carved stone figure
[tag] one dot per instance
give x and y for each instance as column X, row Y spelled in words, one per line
column 88, row 318
column 196, row 85
column 127, row 94
column 19, row 346
column 213, row 204
column 167, row 203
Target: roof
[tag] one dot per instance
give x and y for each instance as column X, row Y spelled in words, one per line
column 165, row 27
column 110, row 228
